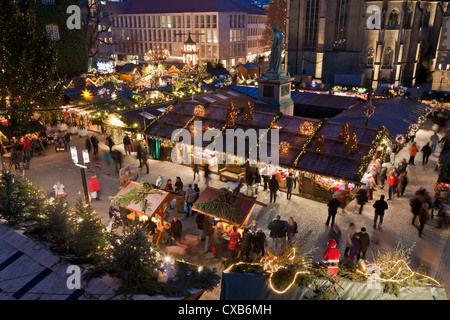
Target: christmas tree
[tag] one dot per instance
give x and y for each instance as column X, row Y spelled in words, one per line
column 320, row 144
column 248, row 112
column 27, row 63
column 344, row 134
column 88, row 237
column 231, row 116
column 351, row 145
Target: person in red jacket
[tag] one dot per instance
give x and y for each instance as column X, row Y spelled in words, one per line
column 94, row 187
column 26, row 143
column 332, row 254
column 392, row 182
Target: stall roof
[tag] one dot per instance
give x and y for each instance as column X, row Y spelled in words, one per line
column 396, row 114
column 335, row 161
column 324, row 100
column 244, row 203
column 15, row 131
column 379, row 91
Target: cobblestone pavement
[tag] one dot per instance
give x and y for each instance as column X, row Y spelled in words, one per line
column 431, row 251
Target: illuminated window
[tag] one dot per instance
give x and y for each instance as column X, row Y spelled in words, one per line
column 53, row 32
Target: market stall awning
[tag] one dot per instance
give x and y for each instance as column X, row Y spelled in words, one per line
column 244, row 204
column 15, row 131
column 334, row 161
column 396, row 114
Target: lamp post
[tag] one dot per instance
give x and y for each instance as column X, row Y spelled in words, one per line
column 85, row 152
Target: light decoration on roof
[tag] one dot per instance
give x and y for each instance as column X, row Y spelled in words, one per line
column 320, row 144
column 86, row 94
column 306, row 128
column 284, row 146
column 199, row 111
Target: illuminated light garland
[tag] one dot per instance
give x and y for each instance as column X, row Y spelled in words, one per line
column 284, row 146
column 391, row 279
column 308, row 141
column 306, row 128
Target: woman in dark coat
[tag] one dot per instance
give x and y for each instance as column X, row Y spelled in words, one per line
column 246, row 242
column 291, row 230
column 257, row 180
column 259, row 240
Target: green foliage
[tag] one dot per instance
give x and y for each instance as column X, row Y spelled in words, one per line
column 133, row 259
column 223, row 207
column 88, row 237
column 137, row 196
column 19, row 200
column 28, row 62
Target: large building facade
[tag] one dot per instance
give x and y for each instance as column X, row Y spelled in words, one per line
column 222, row 29
column 366, row 42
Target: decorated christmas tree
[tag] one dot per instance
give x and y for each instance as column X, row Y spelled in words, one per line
column 248, row 112
column 88, row 236
column 344, row 134
column 351, row 145
column 320, row 144
column 231, row 116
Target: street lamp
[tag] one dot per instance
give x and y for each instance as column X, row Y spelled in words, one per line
column 85, row 153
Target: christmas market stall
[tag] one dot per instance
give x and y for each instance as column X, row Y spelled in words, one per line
column 146, row 202
column 442, row 188
column 335, row 159
column 230, row 208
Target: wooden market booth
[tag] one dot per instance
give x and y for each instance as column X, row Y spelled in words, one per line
column 244, row 204
column 158, row 204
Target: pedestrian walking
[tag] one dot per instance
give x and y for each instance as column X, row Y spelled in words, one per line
column 196, row 170
column 233, row 243
column 116, row 155
column 392, row 182
column 333, row 206
column 138, row 148
column 289, row 184
column 197, row 192
column 246, row 243
column 416, row 204
column 402, row 166
column 423, row 217
column 273, row 187
column 144, row 157
column 402, row 183
column 106, row 158
column 127, row 144
column 383, row 175
column 253, row 227
column 179, row 186
column 426, row 152
column 362, row 198
column 276, row 227
column 364, row 243
column 208, row 229
column 434, row 141
column 291, row 230
column 218, row 241
column 257, row 180
column 26, row 158
column 94, row 142
column 189, row 198
column 250, row 177
column 88, row 145
column 94, row 187
column 207, row 174
column 348, row 238
column 354, row 249
column 67, row 139
column 199, row 221
column 259, row 240
column 412, row 153
column 109, row 142
column 266, row 179
column 380, row 207
column 176, row 228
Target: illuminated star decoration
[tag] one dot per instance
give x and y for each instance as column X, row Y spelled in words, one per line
column 86, row 94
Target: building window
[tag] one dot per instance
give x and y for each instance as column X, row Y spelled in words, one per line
column 311, row 21
column 408, row 17
column 393, row 19
column 426, row 18
column 53, row 32
column 341, row 25
column 214, row 21
column 370, row 56
column 387, row 58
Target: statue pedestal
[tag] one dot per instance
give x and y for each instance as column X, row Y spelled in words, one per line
column 274, row 93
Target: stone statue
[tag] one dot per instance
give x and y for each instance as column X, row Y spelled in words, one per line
column 275, row 52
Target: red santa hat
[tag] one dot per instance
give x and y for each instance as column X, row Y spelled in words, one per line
column 331, row 243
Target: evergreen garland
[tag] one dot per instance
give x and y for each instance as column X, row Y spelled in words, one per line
column 224, row 206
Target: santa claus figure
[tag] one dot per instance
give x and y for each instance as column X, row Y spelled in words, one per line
column 332, row 254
